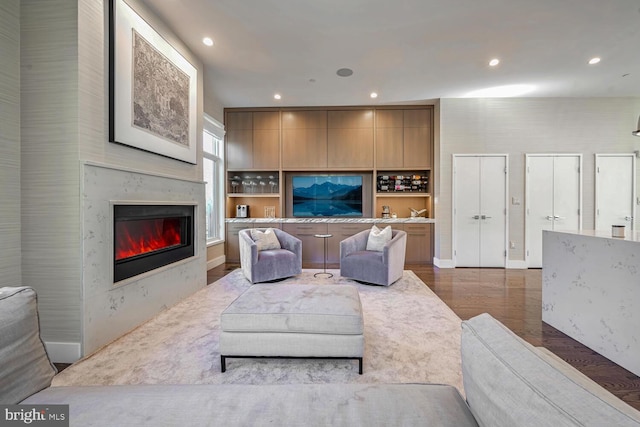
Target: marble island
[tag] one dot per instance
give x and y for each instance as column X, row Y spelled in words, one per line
column 416, row 220
column 591, row 291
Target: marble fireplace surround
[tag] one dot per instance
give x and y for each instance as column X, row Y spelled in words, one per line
column 110, row 310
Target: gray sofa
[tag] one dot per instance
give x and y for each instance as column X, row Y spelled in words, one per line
column 507, row 383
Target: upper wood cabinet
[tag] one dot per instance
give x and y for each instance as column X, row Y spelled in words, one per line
column 304, row 139
column 392, row 138
column 253, row 140
column 350, row 139
column 404, row 138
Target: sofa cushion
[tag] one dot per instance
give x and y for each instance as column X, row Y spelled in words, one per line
column 265, row 240
column 378, row 238
column 24, row 366
column 262, row 405
column 508, row 383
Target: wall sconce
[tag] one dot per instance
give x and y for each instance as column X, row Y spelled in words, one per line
column 637, row 132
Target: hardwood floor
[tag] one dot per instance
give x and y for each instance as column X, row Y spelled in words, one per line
column 514, row 297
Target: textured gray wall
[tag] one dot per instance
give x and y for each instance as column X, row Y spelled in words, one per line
column 519, row 126
column 10, row 258
column 64, row 124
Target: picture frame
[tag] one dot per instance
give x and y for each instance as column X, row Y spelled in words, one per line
column 152, row 88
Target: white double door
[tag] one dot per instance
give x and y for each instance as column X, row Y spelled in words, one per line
column 553, row 188
column 615, row 190
column 479, row 210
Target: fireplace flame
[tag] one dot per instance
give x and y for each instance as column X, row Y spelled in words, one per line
column 138, row 237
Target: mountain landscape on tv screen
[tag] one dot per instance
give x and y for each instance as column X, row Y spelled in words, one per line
column 327, row 199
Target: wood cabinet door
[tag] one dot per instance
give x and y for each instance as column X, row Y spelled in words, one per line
column 389, row 139
column 266, row 140
column 232, row 245
column 350, row 138
column 239, row 140
column 304, row 139
column 417, row 139
column 418, row 243
column 239, row 148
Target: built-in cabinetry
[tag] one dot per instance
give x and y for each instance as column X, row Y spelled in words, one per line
column 266, row 145
column 419, row 238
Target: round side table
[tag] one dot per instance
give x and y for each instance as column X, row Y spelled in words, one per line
column 325, row 237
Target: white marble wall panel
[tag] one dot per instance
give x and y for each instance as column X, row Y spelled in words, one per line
column 111, row 310
column 591, row 292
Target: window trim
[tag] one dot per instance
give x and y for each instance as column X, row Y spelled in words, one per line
column 216, row 129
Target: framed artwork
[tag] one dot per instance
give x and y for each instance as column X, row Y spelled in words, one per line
column 152, row 89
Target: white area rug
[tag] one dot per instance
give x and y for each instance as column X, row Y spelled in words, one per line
column 411, row 336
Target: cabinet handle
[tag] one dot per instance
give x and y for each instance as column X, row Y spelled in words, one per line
column 628, row 218
column 550, row 218
column 485, row 216
column 476, row 217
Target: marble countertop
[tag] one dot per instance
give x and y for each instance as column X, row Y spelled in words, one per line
column 419, row 220
column 629, row 235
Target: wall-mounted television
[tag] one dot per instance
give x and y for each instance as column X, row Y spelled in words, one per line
column 328, row 195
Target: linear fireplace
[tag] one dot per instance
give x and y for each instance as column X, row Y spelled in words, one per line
column 147, row 237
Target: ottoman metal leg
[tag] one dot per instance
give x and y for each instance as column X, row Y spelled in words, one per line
column 223, row 363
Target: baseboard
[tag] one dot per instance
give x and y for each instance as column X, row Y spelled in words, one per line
column 517, row 264
column 443, row 263
column 63, row 352
column 212, row 263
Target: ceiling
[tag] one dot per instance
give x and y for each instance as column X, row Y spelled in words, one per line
column 408, row 51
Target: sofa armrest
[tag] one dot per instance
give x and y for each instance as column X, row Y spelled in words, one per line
column 288, row 242
column 355, row 243
column 25, row 367
column 394, row 250
column 248, row 248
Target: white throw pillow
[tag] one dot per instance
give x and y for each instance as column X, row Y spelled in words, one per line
column 378, row 238
column 265, row 239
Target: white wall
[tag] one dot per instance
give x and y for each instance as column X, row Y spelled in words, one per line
column 529, row 125
column 10, row 246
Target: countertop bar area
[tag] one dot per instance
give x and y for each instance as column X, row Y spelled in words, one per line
column 417, row 220
column 591, row 291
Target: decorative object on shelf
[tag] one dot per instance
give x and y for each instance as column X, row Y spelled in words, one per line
column 253, row 183
column 242, row 211
column 269, row 211
column 416, row 213
column 386, row 212
column 152, row 89
column 402, row 183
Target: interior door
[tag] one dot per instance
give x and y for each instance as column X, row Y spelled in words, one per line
column 480, row 187
column 467, row 211
column 615, row 190
column 553, row 187
column 492, row 211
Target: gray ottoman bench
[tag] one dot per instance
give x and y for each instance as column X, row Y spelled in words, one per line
column 293, row 321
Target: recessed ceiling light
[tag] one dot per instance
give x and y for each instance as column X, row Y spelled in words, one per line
column 494, row 62
column 594, row 61
column 277, row 96
column 207, row 41
column 344, row 72
column 373, row 95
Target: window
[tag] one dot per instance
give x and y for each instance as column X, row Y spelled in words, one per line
column 213, row 170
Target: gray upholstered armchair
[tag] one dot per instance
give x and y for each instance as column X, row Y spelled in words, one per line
column 379, row 268
column 271, row 264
